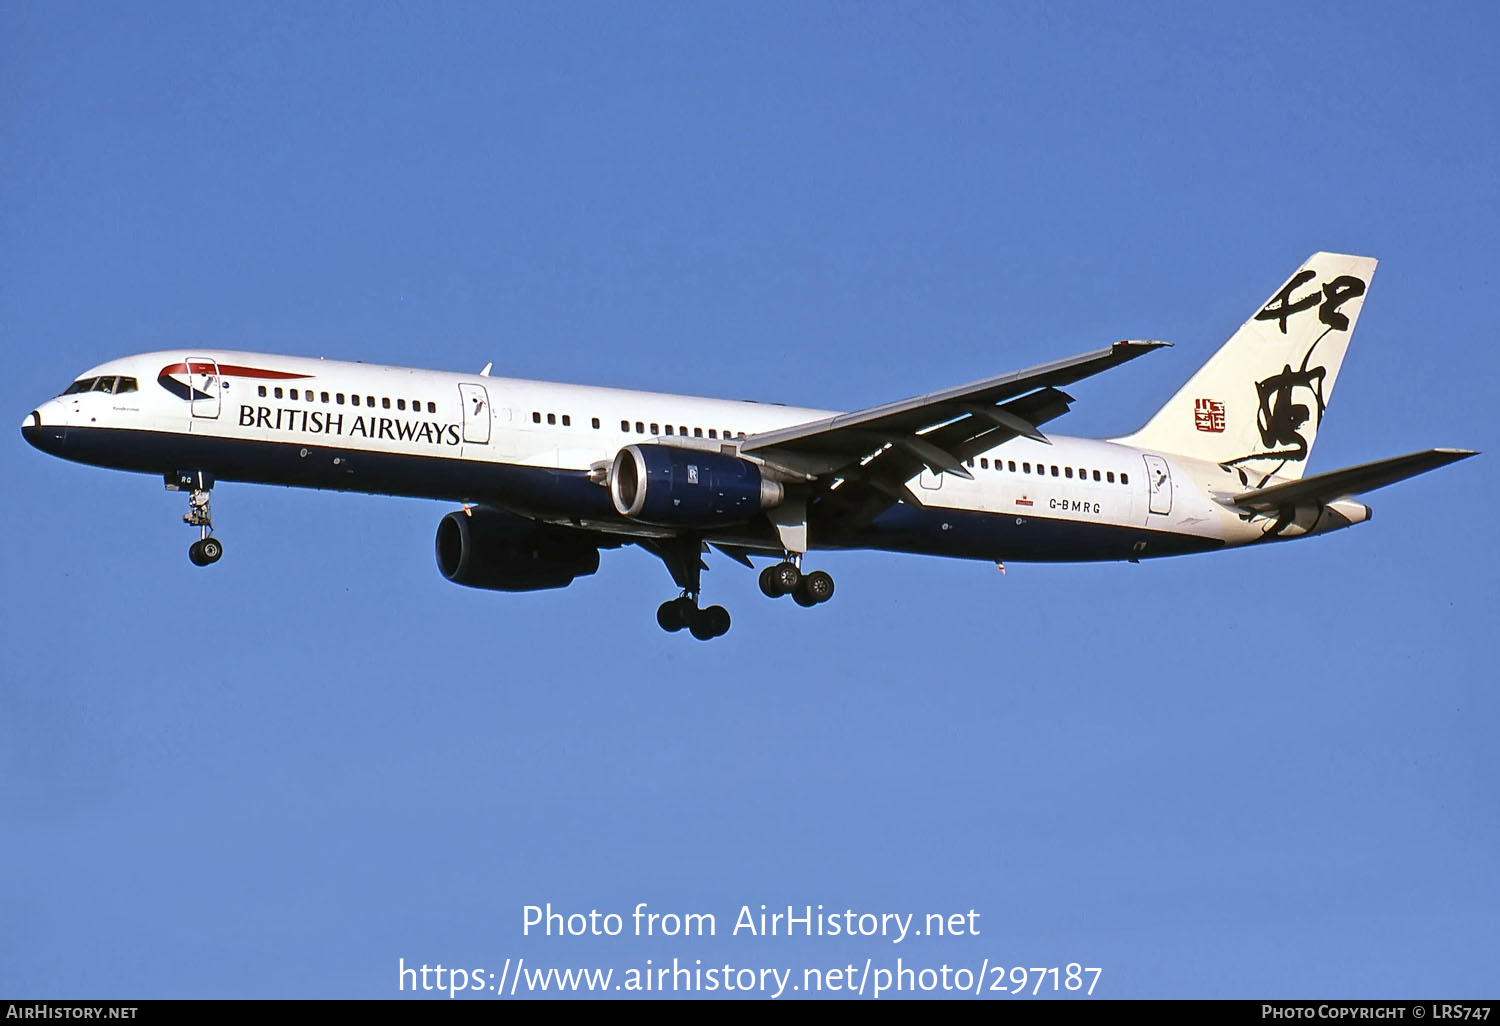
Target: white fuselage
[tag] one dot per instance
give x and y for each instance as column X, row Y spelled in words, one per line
column 538, row 448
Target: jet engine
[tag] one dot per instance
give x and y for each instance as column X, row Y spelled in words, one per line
column 489, row 549
column 662, row 484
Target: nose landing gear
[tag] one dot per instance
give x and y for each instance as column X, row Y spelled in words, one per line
column 207, row 549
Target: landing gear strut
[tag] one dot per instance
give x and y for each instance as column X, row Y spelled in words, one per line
column 786, row 578
column 207, row 549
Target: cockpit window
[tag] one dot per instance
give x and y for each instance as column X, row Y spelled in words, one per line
column 109, row 383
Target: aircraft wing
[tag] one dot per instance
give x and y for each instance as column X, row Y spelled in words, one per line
column 938, row 430
column 1338, row 484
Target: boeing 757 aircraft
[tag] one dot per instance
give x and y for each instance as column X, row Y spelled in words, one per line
column 550, row 474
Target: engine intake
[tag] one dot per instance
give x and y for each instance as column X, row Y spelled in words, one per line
column 662, row 484
column 488, row 549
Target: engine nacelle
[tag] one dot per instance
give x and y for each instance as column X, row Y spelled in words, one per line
column 493, row 550
column 662, row 484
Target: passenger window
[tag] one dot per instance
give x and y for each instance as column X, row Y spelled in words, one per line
column 536, row 418
column 552, row 418
column 279, row 393
column 596, row 423
column 338, row 397
column 1012, row 466
column 1124, row 478
column 624, row 425
column 682, row 431
column 354, row 399
column 669, row 429
column 1054, row 470
column 655, row 429
column 370, row 401
column 385, row 401
column 1069, row 472
column 1096, row 475
column 567, row 420
column 1026, row 468
column 400, row 404
column 432, row 407
column 984, row 464
column 261, row 391
column 640, row 428
column 325, row 397
column 1110, row 477
column 713, row 432
column 697, row 432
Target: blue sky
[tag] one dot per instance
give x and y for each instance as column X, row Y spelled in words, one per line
column 1265, row 772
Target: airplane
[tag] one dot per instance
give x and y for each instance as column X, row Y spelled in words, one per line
column 550, row 474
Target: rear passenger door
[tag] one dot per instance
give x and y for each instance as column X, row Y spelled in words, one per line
column 1159, row 485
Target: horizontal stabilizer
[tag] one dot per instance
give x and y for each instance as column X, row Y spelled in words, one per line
column 1338, row 484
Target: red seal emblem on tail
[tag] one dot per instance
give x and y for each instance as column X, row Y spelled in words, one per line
column 1208, row 415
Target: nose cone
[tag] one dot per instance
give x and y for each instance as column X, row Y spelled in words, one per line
column 47, row 437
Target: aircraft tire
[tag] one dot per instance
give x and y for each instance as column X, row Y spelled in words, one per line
column 786, row 577
column 768, row 585
column 817, row 586
column 671, row 616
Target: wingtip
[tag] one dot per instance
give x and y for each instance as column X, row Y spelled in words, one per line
column 1143, row 343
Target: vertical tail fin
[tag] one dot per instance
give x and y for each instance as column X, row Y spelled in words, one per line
column 1256, row 405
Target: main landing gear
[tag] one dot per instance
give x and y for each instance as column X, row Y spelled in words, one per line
column 786, row 578
column 207, row 549
column 684, row 559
